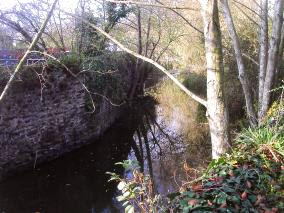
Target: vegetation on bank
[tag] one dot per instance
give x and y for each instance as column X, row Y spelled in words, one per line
column 249, row 179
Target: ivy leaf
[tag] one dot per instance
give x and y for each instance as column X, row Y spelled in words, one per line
column 184, row 202
column 189, row 194
column 252, row 198
column 221, row 199
column 228, row 189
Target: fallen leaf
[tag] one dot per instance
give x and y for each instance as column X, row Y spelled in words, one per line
column 248, row 183
column 231, row 173
column 209, row 203
column 237, row 207
column 224, row 205
column 193, row 202
column 259, row 200
column 196, row 187
column 244, row 195
column 268, row 211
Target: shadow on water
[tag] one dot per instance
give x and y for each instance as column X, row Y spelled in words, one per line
column 78, row 183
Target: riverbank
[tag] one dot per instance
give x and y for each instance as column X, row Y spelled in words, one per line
column 250, row 179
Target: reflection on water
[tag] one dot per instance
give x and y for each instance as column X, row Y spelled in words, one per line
column 74, row 183
column 77, row 182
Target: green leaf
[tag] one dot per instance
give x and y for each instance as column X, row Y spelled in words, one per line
column 125, row 203
column 120, row 198
column 189, row 194
column 184, row 202
column 221, row 198
column 126, row 194
column 252, row 198
column 186, row 209
column 129, row 209
column 228, row 189
column 121, row 185
column 236, row 198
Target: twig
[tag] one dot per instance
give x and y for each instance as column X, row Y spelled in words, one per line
column 151, row 5
column 32, row 45
column 187, row 21
column 157, row 65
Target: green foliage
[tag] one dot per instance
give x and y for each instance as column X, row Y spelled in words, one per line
column 69, row 60
column 196, row 83
column 115, row 12
column 89, row 41
column 264, row 140
column 136, row 192
column 233, row 183
column 201, row 114
column 129, row 165
column 4, row 73
column 106, row 77
column 250, row 179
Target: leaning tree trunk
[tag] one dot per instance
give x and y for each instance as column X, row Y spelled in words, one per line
column 273, row 56
column 243, row 77
column 216, row 106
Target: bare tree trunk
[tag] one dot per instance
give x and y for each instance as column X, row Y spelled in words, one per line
column 136, row 72
column 263, row 50
column 216, row 106
column 32, row 45
column 280, row 55
column 273, row 56
column 140, row 46
column 149, row 60
column 243, row 77
column 148, row 36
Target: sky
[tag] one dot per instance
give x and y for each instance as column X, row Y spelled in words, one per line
column 67, row 4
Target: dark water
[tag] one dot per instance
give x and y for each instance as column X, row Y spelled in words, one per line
column 75, row 183
column 78, row 183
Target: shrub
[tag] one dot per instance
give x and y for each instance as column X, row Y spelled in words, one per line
column 250, row 179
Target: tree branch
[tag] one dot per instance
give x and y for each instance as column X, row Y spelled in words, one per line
column 32, row 45
column 158, row 66
column 151, row 5
column 180, row 15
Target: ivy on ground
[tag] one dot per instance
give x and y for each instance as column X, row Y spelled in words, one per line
column 250, row 179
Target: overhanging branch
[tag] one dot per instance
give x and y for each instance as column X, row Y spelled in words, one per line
column 32, row 45
column 150, row 5
column 157, row 65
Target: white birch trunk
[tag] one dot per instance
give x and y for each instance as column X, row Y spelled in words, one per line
column 243, row 77
column 216, row 107
column 272, row 56
column 263, row 51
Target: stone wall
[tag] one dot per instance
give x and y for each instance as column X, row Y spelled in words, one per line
column 41, row 121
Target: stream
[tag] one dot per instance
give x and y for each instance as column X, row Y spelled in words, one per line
column 77, row 182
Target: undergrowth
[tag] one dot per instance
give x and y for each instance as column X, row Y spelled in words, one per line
column 249, row 179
